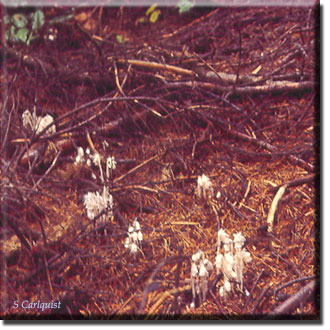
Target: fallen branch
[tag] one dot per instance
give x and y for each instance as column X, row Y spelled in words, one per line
column 214, row 78
column 297, row 182
column 295, row 300
column 270, row 87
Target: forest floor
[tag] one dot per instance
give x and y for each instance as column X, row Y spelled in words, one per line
column 231, row 93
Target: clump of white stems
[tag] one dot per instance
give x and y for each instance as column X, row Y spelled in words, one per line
column 230, row 264
column 204, row 187
column 241, row 256
column 134, row 237
column 94, row 202
column 200, row 271
column 96, row 159
column 36, row 123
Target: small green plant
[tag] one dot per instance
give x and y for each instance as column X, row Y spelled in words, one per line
column 23, row 28
column 152, row 14
column 26, row 27
column 184, row 6
column 121, row 39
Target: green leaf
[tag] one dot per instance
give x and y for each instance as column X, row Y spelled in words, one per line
column 21, row 35
column 120, row 39
column 60, row 19
column 154, row 16
column 151, row 8
column 184, row 6
column 38, row 20
column 6, row 19
column 19, row 20
column 141, row 20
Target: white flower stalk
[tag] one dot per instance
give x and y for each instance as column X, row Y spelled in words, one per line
column 110, row 165
column 134, row 237
column 199, row 275
column 96, row 159
column 230, row 264
column 80, row 158
column 204, row 187
column 97, row 162
column 225, row 289
column 44, row 122
column 241, row 256
column 105, row 145
column 225, row 263
column 95, row 203
column 223, row 238
column 38, row 124
column 28, row 120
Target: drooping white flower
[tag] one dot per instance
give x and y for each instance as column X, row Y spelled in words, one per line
column 80, row 158
column 105, row 144
column 239, row 240
column 44, row 122
column 28, row 120
column 241, row 256
column 223, row 238
column 110, row 165
column 134, row 237
column 111, row 162
column 140, row 236
column 199, row 275
column 136, row 225
column 197, row 256
column 204, row 187
column 96, row 157
column 37, row 124
column 194, row 270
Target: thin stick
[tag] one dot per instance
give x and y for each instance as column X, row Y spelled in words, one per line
column 273, row 207
column 252, row 290
column 48, row 170
column 155, row 65
column 90, row 142
column 219, row 305
column 136, row 168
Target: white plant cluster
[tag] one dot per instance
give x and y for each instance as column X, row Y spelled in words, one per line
column 134, row 237
column 200, row 271
column 204, row 187
column 96, row 159
column 229, row 263
column 94, row 202
column 36, row 123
